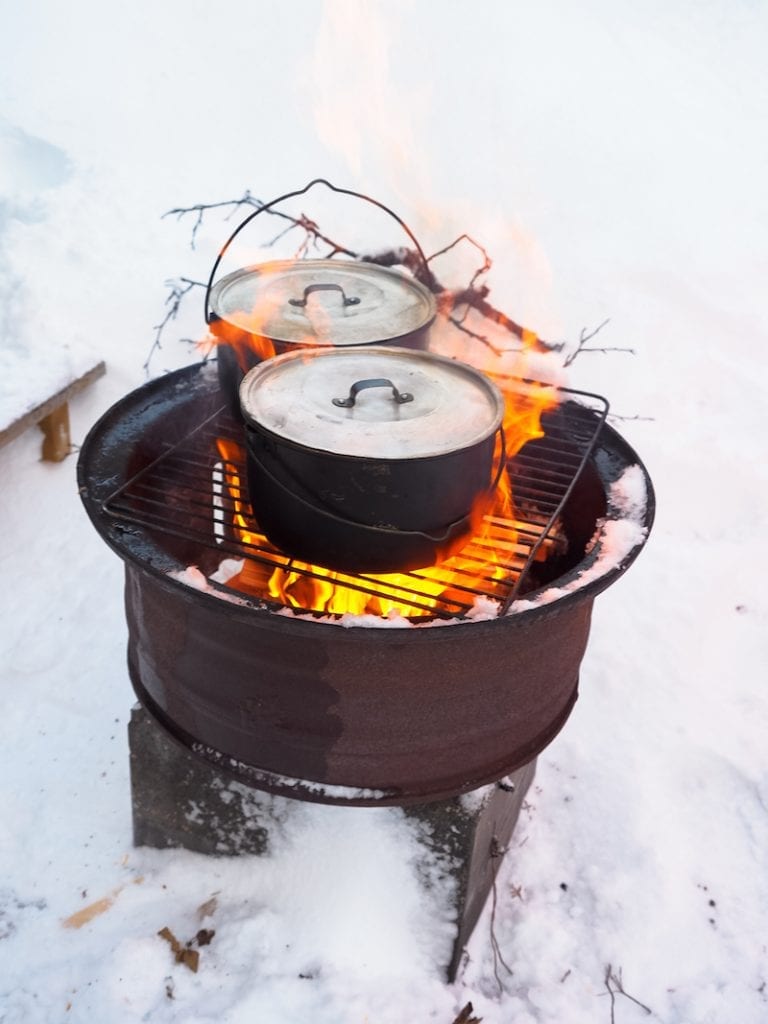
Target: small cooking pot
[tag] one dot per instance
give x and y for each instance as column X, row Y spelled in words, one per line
column 369, row 459
column 276, row 307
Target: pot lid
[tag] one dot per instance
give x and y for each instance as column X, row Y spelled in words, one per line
column 386, row 403
column 323, row 302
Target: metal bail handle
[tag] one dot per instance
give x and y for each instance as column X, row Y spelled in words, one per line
column 400, row 397
column 210, row 317
column 349, row 300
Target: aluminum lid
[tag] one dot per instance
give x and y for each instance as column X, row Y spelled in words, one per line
column 323, row 302
column 386, row 403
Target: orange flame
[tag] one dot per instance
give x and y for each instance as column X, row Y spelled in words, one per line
column 249, row 332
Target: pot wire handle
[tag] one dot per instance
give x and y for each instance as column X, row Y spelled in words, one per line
column 349, row 300
column 400, row 397
column 449, row 532
column 210, row 316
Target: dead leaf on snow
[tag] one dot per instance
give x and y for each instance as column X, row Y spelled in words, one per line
column 190, row 958
column 170, row 938
column 465, row 1017
column 182, row 954
column 208, row 908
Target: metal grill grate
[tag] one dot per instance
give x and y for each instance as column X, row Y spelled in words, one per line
column 197, row 491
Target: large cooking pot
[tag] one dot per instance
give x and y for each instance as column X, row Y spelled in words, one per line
column 272, row 308
column 369, row 459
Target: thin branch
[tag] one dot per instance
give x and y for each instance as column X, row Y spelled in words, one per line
column 247, row 199
column 614, row 416
column 585, row 337
column 611, row 993
column 615, row 979
column 487, row 261
column 180, row 287
column 619, row 983
column 477, row 337
column 497, row 852
column 201, row 209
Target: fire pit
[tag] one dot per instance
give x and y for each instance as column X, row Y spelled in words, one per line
column 406, row 690
column 429, row 690
column 462, row 691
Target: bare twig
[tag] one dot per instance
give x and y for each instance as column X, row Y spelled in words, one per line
column 247, row 199
column 497, row 852
column 586, row 336
column 631, row 419
column 201, row 208
column 611, row 993
column 619, row 983
column 487, row 261
column 178, row 289
column 476, row 337
column 612, row 978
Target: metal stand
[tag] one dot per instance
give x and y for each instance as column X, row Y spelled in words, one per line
column 180, row 801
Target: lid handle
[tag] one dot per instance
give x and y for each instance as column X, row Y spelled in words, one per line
column 400, row 397
column 349, row 300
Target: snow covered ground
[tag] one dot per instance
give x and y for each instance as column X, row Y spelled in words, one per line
column 613, row 157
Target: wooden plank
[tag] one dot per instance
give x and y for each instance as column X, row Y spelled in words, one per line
column 49, row 408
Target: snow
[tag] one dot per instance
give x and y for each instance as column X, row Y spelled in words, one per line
column 286, row 782
column 612, row 158
column 32, row 370
column 615, row 538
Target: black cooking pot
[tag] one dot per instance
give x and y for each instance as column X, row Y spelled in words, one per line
column 369, row 460
column 277, row 307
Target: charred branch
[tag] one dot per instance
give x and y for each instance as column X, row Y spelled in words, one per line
column 459, row 325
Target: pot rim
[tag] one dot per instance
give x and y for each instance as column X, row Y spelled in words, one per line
column 397, row 314
column 392, row 431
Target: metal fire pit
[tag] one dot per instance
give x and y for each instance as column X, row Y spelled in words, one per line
column 312, row 709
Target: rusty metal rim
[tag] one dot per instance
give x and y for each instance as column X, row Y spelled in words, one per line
column 339, row 796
